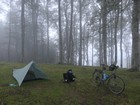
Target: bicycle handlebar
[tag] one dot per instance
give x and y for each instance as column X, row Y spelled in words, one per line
column 111, row 67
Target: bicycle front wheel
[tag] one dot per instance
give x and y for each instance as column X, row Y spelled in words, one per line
column 96, row 77
column 116, row 84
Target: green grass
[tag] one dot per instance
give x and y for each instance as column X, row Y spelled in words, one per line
column 54, row 92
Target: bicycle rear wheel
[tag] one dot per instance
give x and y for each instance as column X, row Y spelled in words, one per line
column 96, row 77
column 116, row 84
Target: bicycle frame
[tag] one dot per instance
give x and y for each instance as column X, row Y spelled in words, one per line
column 109, row 76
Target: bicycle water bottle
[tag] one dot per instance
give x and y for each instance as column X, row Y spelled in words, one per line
column 105, row 76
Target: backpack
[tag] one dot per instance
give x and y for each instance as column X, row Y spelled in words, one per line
column 69, row 76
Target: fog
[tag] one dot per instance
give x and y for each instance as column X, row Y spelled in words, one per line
column 42, row 37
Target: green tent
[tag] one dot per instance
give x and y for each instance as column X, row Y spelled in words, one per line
column 29, row 72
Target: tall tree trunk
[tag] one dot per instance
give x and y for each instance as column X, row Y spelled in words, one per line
column 100, row 42
column 115, row 33
column 75, row 40
column 71, row 36
column 87, row 42
column 22, row 29
column 93, row 51
column 60, row 34
column 104, row 31
column 121, row 33
column 80, row 48
column 84, row 46
column 109, row 41
column 18, row 56
column 135, row 35
column 9, row 43
column 112, row 45
column 42, row 46
column 34, row 4
column 48, row 37
column 67, row 33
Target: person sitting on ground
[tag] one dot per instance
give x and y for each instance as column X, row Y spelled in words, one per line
column 69, row 76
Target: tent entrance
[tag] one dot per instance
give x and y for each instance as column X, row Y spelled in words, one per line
column 30, row 76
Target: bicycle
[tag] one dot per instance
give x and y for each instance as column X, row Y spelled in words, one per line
column 115, row 83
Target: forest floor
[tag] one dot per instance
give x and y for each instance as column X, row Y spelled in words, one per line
column 54, row 92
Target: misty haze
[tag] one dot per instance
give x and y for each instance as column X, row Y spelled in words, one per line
column 71, row 52
column 71, row 33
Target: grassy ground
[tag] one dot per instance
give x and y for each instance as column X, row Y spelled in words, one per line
column 54, row 92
